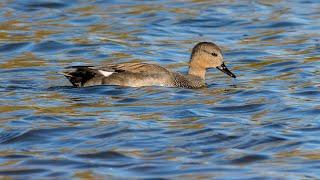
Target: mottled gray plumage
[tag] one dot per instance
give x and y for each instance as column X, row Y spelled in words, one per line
column 204, row 55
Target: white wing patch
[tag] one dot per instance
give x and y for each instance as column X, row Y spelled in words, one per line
column 105, row 73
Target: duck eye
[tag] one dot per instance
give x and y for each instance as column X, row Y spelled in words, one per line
column 214, row 54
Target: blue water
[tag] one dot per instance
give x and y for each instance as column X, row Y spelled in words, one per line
column 265, row 126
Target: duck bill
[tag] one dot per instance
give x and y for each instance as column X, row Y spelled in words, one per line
column 224, row 69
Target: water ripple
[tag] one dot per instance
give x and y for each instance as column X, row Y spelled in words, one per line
column 265, row 126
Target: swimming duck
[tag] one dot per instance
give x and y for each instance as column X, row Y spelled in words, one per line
column 204, row 55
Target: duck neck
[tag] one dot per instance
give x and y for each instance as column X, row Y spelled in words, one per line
column 196, row 69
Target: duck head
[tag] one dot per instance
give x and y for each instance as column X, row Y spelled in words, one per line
column 207, row 55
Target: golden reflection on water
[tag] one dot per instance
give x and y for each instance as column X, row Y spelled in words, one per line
column 14, row 25
column 44, row 33
column 308, row 154
column 256, row 39
column 88, row 174
column 87, row 10
column 27, row 59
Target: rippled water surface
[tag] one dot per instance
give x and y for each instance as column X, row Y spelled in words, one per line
column 268, row 126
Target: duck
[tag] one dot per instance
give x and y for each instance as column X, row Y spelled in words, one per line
column 204, row 55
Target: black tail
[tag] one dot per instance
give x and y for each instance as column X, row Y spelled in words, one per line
column 79, row 76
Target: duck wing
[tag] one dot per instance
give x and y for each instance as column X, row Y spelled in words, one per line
column 140, row 68
column 83, row 74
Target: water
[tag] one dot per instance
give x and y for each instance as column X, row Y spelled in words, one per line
column 265, row 125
